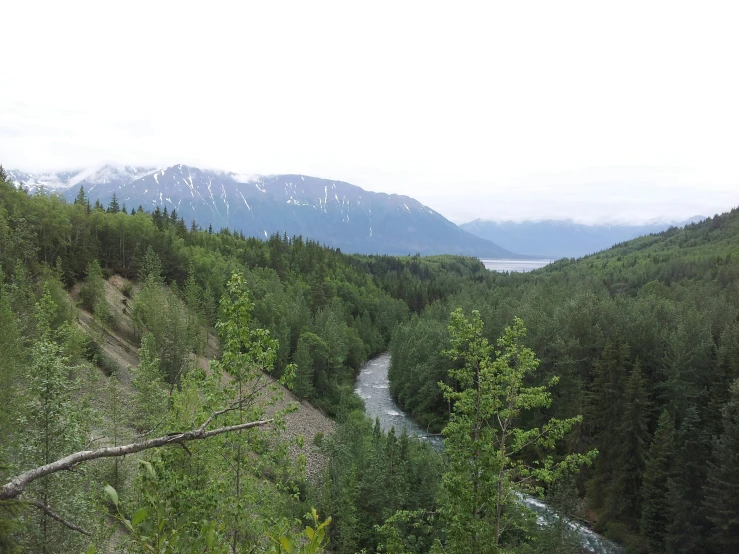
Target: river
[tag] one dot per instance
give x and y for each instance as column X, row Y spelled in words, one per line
column 516, row 266
column 373, row 386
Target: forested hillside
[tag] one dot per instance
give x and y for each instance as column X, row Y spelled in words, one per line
column 644, row 339
column 624, row 363
column 294, row 310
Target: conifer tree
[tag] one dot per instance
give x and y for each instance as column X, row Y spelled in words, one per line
column 303, row 384
column 113, row 207
column 605, row 416
column 193, row 296
column 657, row 473
column 685, row 514
column 726, row 371
column 81, row 197
column 149, row 402
column 52, row 424
column 633, row 444
column 11, row 358
column 722, row 494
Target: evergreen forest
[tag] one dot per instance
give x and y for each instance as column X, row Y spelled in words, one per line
column 169, row 389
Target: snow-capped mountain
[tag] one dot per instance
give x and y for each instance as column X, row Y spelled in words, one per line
column 62, row 181
column 565, row 238
column 332, row 212
column 53, row 182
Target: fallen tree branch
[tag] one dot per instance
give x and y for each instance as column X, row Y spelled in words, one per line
column 14, row 487
column 48, row 511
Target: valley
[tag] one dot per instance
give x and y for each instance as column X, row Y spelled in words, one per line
column 234, row 371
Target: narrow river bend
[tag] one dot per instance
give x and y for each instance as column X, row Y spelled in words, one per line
column 373, row 386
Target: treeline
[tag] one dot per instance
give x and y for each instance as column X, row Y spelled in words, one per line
column 645, row 340
column 328, row 310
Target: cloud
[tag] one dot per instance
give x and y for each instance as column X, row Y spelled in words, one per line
column 576, row 109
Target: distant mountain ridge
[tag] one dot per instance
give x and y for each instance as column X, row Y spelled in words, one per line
column 564, row 238
column 329, row 211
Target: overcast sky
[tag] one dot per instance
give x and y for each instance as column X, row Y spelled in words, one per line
column 509, row 110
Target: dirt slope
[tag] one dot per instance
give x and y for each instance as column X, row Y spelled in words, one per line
column 119, row 345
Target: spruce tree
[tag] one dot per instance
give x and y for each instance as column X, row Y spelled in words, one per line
column 605, row 416
column 633, row 443
column 722, row 494
column 52, row 424
column 303, row 383
column 685, row 514
column 81, row 198
column 657, row 472
column 113, row 207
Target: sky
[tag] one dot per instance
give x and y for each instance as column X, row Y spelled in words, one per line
column 593, row 111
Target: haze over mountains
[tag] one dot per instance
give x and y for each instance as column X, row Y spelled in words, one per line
column 555, row 239
column 332, row 212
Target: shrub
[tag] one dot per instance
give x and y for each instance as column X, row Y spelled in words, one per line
column 127, row 289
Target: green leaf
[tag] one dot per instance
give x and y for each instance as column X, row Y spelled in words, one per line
column 287, row 544
column 112, row 494
column 149, row 469
column 139, row 516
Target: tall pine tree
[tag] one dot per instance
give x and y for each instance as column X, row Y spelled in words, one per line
column 633, row 443
column 722, row 495
column 657, row 472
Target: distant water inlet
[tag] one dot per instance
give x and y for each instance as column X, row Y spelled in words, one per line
column 517, row 266
column 373, row 385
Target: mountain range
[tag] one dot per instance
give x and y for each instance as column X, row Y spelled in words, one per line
column 332, row 212
column 555, row 239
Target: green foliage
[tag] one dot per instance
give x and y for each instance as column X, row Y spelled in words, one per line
column 669, row 301
column 633, row 438
column 155, row 528
column 9, row 510
column 722, row 494
column 11, row 359
column 92, row 291
column 485, row 447
column 685, row 514
column 53, row 422
column 656, row 477
column 127, row 290
column 316, row 535
column 150, row 399
column 162, row 313
column 369, row 477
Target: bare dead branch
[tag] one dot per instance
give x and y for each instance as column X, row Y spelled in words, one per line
column 48, row 511
column 14, row 487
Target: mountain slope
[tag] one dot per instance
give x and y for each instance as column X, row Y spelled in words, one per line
column 563, row 238
column 333, row 212
column 64, row 181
